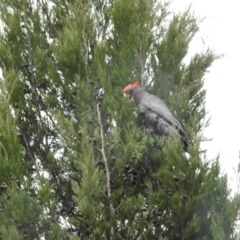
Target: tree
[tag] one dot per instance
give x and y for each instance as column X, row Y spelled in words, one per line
column 79, row 165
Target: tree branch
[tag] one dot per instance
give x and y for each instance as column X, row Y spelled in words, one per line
column 141, row 61
column 86, row 57
column 102, row 149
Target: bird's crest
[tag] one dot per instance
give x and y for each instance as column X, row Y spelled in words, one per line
column 128, row 88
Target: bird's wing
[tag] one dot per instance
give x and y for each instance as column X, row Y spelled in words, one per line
column 155, row 104
column 157, row 113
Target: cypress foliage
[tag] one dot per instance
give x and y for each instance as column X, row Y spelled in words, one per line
column 75, row 162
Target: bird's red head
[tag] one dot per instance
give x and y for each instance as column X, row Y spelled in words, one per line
column 128, row 88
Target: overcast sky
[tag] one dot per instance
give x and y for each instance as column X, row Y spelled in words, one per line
column 220, row 31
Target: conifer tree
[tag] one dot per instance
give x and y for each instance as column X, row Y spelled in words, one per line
column 75, row 162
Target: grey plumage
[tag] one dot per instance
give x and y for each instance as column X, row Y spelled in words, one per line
column 155, row 114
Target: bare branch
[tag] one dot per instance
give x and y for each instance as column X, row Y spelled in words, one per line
column 103, row 151
column 30, row 153
column 105, row 161
column 86, row 58
column 140, row 55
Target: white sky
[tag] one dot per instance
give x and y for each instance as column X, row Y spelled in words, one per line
column 220, row 31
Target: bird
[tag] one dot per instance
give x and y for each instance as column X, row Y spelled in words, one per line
column 155, row 114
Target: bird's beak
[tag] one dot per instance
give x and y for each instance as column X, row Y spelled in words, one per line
column 126, row 95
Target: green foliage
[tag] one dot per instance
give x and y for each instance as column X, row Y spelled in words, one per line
column 75, row 162
column 25, row 218
column 11, row 152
